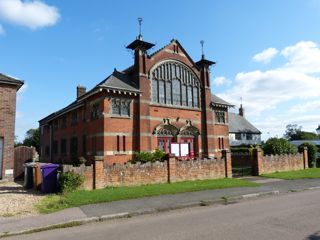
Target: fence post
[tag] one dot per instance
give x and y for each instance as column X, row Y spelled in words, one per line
column 98, row 172
column 172, row 169
column 257, row 162
column 305, row 158
column 226, row 154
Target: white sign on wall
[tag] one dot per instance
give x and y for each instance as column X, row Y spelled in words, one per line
column 184, row 149
column 175, row 149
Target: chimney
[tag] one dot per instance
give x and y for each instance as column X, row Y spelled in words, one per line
column 81, row 90
column 241, row 111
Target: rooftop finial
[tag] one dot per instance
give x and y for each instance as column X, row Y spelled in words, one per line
column 140, row 22
column 202, row 42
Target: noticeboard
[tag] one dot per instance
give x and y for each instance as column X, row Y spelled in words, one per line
column 175, row 149
column 184, row 149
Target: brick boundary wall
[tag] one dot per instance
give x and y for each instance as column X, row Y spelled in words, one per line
column 278, row 163
column 99, row 176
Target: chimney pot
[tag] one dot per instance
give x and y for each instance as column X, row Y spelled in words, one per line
column 81, row 90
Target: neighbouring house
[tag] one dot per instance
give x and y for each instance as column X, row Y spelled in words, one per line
column 8, row 90
column 162, row 101
column 241, row 131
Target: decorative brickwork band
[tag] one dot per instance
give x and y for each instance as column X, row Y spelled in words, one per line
column 98, row 173
column 228, row 165
column 305, row 158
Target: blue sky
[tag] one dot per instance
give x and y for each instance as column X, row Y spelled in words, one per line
column 267, row 52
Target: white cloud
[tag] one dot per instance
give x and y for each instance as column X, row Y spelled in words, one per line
column 306, row 107
column 289, row 93
column 266, row 55
column 303, row 57
column 31, row 14
column 2, row 32
column 220, row 81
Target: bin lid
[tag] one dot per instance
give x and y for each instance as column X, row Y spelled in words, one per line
column 50, row 165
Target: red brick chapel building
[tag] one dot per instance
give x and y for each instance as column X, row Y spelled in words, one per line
column 163, row 98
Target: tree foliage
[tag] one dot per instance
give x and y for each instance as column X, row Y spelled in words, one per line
column 32, row 138
column 279, row 146
column 294, row 132
column 312, row 153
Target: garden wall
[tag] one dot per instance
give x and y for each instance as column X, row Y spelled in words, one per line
column 278, row 163
column 100, row 176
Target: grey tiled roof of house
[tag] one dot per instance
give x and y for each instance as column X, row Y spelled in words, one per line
column 10, row 80
column 118, row 80
column 215, row 99
column 238, row 124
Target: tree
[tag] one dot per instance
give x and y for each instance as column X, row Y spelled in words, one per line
column 294, row 132
column 312, row 153
column 32, row 138
column 279, row 146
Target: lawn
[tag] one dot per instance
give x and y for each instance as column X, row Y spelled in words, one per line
column 300, row 174
column 54, row 203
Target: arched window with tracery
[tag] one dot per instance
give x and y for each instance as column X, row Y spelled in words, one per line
column 173, row 83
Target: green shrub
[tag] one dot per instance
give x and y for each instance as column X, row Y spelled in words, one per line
column 279, row 146
column 312, row 153
column 144, row 157
column 70, row 181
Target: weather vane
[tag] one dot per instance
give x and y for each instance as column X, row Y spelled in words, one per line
column 202, row 42
column 140, row 21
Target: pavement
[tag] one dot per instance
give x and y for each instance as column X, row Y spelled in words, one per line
column 127, row 208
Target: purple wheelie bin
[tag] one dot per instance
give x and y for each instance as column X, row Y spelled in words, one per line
column 49, row 178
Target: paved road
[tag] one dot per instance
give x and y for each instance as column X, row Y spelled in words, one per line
column 289, row 216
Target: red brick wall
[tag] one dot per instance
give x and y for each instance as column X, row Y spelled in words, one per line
column 99, row 176
column 278, row 163
column 7, row 125
column 282, row 163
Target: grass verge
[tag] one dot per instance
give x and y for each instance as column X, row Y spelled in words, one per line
column 299, row 174
column 73, row 199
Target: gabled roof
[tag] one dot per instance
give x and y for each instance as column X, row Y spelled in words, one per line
column 10, row 80
column 119, row 81
column 180, row 46
column 238, row 124
column 215, row 100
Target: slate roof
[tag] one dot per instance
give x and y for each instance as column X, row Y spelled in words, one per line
column 216, row 100
column 238, row 124
column 116, row 81
column 120, row 81
column 10, row 80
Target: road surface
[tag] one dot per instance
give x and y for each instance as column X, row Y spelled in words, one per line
column 290, row 216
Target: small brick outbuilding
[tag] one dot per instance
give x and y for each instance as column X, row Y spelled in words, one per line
column 8, row 90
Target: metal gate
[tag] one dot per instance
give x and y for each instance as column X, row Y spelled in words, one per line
column 241, row 164
column 1, row 156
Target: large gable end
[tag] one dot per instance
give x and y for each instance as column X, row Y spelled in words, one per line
column 176, row 49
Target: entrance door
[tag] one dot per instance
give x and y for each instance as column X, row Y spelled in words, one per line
column 1, row 156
